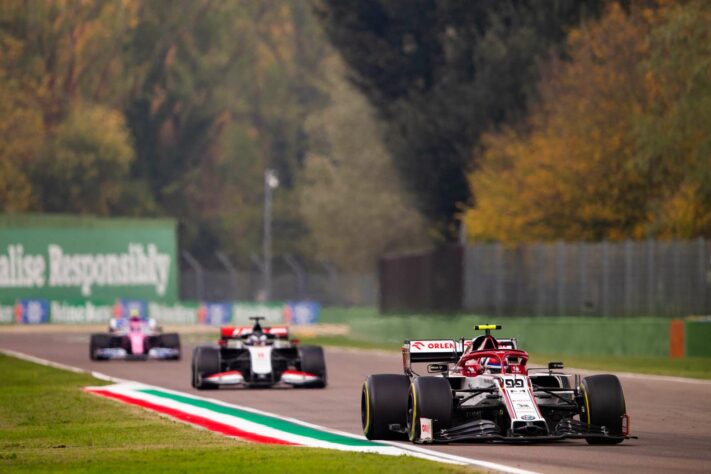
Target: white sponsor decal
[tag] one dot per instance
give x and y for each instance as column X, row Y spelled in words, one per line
column 172, row 314
column 425, row 429
column 434, row 346
column 522, row 402
column 7, row 314
column 86, row 313
column 139, row 266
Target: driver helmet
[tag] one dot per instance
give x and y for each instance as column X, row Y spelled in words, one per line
column 134, row 314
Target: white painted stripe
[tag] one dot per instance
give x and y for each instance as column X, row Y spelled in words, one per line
column 407, row 449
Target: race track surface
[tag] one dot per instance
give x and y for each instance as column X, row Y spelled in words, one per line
column 672, row 418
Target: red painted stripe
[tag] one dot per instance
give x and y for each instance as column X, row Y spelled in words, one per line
column 193, row 419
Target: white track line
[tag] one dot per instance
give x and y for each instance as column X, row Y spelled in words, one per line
column 416, row 450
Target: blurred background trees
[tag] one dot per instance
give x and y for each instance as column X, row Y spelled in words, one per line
column 388, row 121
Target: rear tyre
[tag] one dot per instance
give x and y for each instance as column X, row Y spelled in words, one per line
column 314, row 362
column 383, row 402
column 98, row 341
column 603, row 405
column 206, row 361
column 429, row 397
column 171, row 341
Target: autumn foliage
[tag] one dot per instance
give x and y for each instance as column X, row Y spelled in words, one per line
column 618, row 144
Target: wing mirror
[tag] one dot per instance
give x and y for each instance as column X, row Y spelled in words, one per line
column 555, row 365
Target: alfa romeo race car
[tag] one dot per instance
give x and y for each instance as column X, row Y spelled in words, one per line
column 136, row 339
column 257, row 356
column 482, row 390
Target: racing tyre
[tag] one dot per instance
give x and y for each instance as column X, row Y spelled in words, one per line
column 206, row 361
column 604, row 405
column 171, row 341
column 429, row 397
column 383, row 402
column 314, row 362
column 98, row 341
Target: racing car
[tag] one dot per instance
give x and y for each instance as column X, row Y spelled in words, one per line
column 256, row 356
column 134, row 338
column 482, row 390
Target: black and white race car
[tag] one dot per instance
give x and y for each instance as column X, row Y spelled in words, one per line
column 257, row 356
column 482, row 390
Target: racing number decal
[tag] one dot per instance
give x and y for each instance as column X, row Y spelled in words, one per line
column 511, row 383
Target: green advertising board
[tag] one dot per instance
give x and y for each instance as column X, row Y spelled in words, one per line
column 97, row 259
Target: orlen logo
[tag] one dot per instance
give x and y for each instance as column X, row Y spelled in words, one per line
column 432, row 346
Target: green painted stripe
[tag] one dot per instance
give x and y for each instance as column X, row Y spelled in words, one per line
column 270, row 421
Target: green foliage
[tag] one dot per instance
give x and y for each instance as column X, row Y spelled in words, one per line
column 351, row 195
column 85, row 162
column 442, row 72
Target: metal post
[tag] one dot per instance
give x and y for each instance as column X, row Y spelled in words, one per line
column 651, row 295
column 333, row 279
column 260, row 266
column 198, row 273
column 298, row 273
column 560, row 280
column 583, row 261
column 270, row 182
column 499, row 278
column 701, row 256
column 231, row 270
column 628, row 278
column 605, row 278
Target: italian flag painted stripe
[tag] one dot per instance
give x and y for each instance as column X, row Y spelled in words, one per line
column 266, row 420
column 241, row 422
column 192, row 419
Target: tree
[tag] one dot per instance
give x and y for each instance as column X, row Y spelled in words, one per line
column 440, row 73
column 84, row 164
column 617, row 145
column 674, row 132
column 352, row 197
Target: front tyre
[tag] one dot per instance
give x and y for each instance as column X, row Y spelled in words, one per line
column 98, row 341
column 171, row 341
column 429, row 397
column 603, row 405
column 206, row 361
column 383, row 402
column 314, row 362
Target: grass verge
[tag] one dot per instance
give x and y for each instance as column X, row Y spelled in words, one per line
column 48, row 424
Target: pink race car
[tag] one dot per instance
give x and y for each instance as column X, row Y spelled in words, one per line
column 134, row 338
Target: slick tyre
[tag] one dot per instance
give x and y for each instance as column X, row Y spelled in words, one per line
column 98, row 341
column 603, row 405
column 314, row 362
column 171, row 341
column 383, row 402
column 428, row 397
column 206, row 361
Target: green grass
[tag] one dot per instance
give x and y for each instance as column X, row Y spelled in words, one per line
column 47, row 424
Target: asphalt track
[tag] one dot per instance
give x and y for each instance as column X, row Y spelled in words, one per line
column 672, row 417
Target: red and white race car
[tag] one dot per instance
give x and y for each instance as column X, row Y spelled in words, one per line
column 482, row 390
column 256, row 356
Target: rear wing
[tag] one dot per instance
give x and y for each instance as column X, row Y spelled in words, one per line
column 232, row 332
column 442, row 350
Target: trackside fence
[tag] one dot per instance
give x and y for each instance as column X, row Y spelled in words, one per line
column 652, row 278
